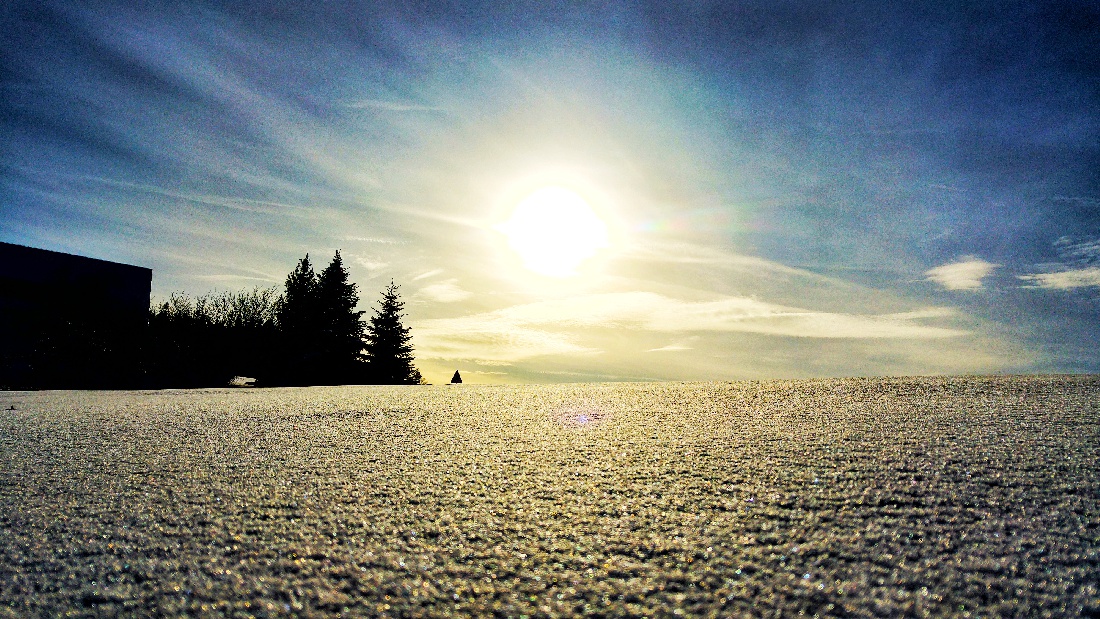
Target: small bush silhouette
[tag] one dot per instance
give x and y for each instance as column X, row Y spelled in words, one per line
column 212, row 338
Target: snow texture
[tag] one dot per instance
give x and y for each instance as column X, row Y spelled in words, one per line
column 947, row 497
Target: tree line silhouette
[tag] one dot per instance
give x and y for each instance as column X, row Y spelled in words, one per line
column 310, row 334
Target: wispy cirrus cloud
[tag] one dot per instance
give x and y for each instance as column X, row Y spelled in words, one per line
column 1078, row 251
column 234, row 278
column 557, row 326
column 489, row 340
column 391, row 106
column 373, row 264
column 670, row 348
column 1064, row 280
column 444, row 292
column 965, row 273
column 1079, row 266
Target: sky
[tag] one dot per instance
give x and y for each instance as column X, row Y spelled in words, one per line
column 775, row 189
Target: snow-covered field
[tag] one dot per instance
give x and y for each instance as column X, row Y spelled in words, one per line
column 860, row 497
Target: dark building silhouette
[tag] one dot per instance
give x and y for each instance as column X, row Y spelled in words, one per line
column 69, row 321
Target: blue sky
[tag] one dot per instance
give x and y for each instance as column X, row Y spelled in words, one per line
column 790, row 189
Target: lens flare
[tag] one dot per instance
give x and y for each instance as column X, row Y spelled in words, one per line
column 581, row 416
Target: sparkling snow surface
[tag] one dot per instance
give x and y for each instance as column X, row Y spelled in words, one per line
column 856, row 497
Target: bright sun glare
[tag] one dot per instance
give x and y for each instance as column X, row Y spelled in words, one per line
column 554, row 230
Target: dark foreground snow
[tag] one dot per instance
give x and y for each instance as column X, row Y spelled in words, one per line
column 870, row 497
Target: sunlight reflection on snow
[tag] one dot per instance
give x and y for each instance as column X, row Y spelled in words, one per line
column 581, row 416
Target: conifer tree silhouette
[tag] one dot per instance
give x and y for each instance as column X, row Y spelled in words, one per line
column 299, row 325
column 456, row 379
column 340, row 325
column 389, row 348
column 299, row 307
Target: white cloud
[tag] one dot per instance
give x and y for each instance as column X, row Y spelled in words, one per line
column 670, row 348
column 964, row 274
column 427, row 274
column 444, row 292
column 554, row 327
column 1065, row 280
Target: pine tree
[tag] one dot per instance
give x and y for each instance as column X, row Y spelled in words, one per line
column 298, row 326
column 389, row 348
column 299, row 307
column 340, row 325
column 456, row 379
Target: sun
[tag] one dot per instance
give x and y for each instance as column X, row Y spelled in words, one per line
column 554, row 231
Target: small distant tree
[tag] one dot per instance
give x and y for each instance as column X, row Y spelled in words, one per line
column 456, row 379
column 389, row 350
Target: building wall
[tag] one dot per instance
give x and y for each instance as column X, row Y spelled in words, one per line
column 70, row 321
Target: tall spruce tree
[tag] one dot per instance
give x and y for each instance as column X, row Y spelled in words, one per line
column 389, row 348
column 299, row 307
column 298, row 321
column 341, row 327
